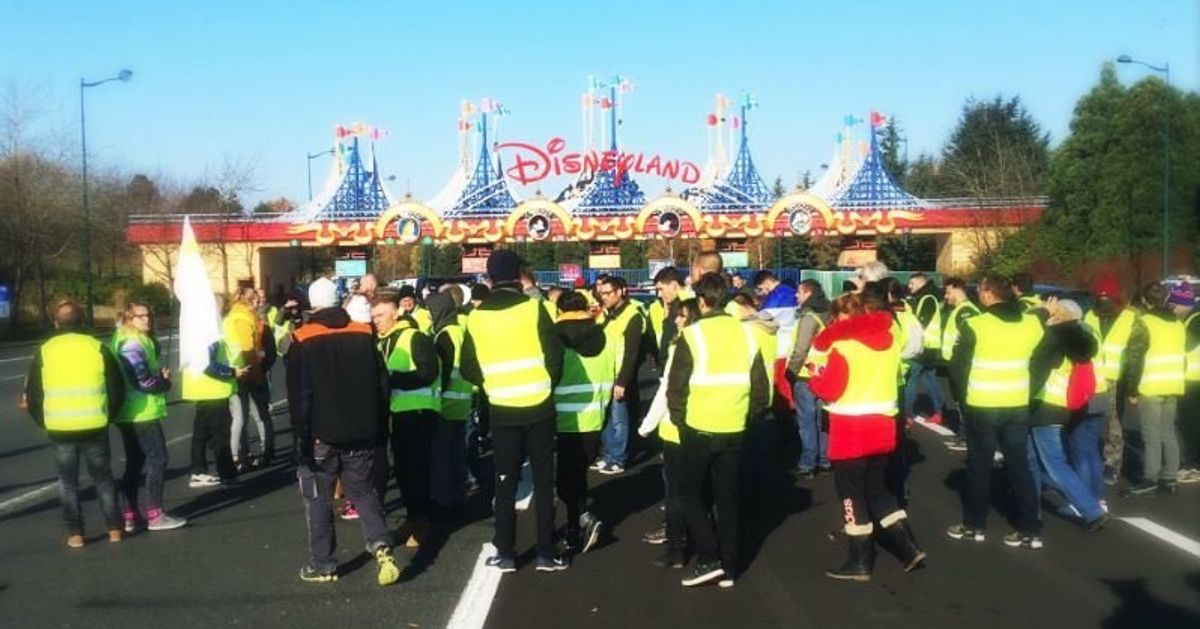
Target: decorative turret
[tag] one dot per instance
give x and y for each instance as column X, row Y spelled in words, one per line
column 486, row 193
column 742, row 189
column 872, row 188
column 355, row 193
column 602, row 192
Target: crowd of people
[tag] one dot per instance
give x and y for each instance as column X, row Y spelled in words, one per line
column 385, row 383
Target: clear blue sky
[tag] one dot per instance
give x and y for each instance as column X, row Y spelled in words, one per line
column 265, row 82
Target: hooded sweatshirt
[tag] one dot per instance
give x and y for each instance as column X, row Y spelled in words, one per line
column 855, row 436
column 580, row 333
column 1068, row 340
column 442, row 313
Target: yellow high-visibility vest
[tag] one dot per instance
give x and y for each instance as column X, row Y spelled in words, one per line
column 400, row 360
column 510, row 354
column 139, row 406
column 871, row 388
column 931, row 335
column 950, row 334
column 1193, row 357
column 723, row 352
column 73, row 384
column 1000, row 366
column 458, row 394
column 1113, row 344
column 1164, row 369
column 585, row 389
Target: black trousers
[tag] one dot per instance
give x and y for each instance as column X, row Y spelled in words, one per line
column 412, row 451
column 511, row 445
column 710, row 462
column 575, row 452
column 210, row 429
column 676, row 519
column 316, row 483
column 1007, row 429
column 861, row 486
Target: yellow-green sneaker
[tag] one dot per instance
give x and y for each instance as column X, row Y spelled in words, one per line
column 389, row 572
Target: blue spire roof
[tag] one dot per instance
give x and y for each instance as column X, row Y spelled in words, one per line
column 743, row 188
column 872, row 188
column 605, row 196
column 359, row 194
column 486, row 194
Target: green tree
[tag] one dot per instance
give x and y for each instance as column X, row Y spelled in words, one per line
column 894, row 160
column 996, row 150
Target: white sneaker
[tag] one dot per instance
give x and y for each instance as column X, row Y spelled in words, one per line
column 199, row 481
column 1189, row 476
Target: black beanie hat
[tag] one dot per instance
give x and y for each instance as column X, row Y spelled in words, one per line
column 504, row 266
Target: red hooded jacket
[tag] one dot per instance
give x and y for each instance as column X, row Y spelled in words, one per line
column 852, row 437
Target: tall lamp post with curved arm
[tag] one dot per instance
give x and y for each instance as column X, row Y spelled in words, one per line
column 122, row 76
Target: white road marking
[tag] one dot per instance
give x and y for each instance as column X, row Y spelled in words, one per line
column 16, row 359
column 13, row 505
column 937, row 428
column 476, row 600
column 10, row 378
column 1182, row 542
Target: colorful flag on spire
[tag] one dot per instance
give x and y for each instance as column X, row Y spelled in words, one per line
column 878, row 119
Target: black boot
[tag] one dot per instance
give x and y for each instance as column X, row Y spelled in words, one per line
column 858, row 565
column 899, row 537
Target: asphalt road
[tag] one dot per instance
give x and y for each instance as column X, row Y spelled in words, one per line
column 236, row 564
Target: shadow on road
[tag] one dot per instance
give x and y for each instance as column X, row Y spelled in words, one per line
column 1140, row 608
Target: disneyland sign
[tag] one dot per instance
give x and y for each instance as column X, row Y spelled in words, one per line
column 531, row 163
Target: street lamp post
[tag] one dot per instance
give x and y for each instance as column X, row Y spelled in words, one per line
column 123, row 76
column 311, row 157
column 1165, row 70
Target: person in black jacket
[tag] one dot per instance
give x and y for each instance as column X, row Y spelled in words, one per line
column 517, row 431
column 625, row 324
column 338, row 395
column 925, row 300
column 70, row 445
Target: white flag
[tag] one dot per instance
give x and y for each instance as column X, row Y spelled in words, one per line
column 199, row 321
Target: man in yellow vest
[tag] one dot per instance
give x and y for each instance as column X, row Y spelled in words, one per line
column 717, row 382
column 1157, row 380
column 414, row 404
column 211, row 390
column 448, row 478
column 991, row 366
column 1189, row 404
column 410, row 307
column 925, row 302
column 580, row 399
column 513, row 354
column 663, row 311
column 73, row 389
column 812, row 317
column 1112, row 321
column 1031, row 302
column 338, row 397
column 959, row 308
column 140, row 419
column 625, row 326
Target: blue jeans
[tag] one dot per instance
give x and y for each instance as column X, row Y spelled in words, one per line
column 94, row 451
column 615, row 437
column 1084, row 441
column 922, row 377
column 1048, row 464
column 814, row 442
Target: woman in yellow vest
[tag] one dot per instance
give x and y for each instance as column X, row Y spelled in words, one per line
column 210, row 390
column 673, row 532
column 73, row 389
column 580, row 399
column 1157, row 377
column 858, row 384
column 140, row 419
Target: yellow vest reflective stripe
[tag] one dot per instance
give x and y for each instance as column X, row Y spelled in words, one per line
column 457, row 396
column 510, row 354
column 1193, row 357
column 906, row 322
column 583, row 393
column 73, row 384
column 871, row 389
column 139, row 406
column 1000, row 367
column 950, row 335
column 400, row 360
column 1113, row 344
column 723, row 352
column 1164, row 369
column 932, row 333
column 804, row 371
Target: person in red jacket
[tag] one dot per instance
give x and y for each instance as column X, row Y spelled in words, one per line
column 856, row 363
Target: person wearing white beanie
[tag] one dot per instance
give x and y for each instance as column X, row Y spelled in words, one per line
column 322, row 293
